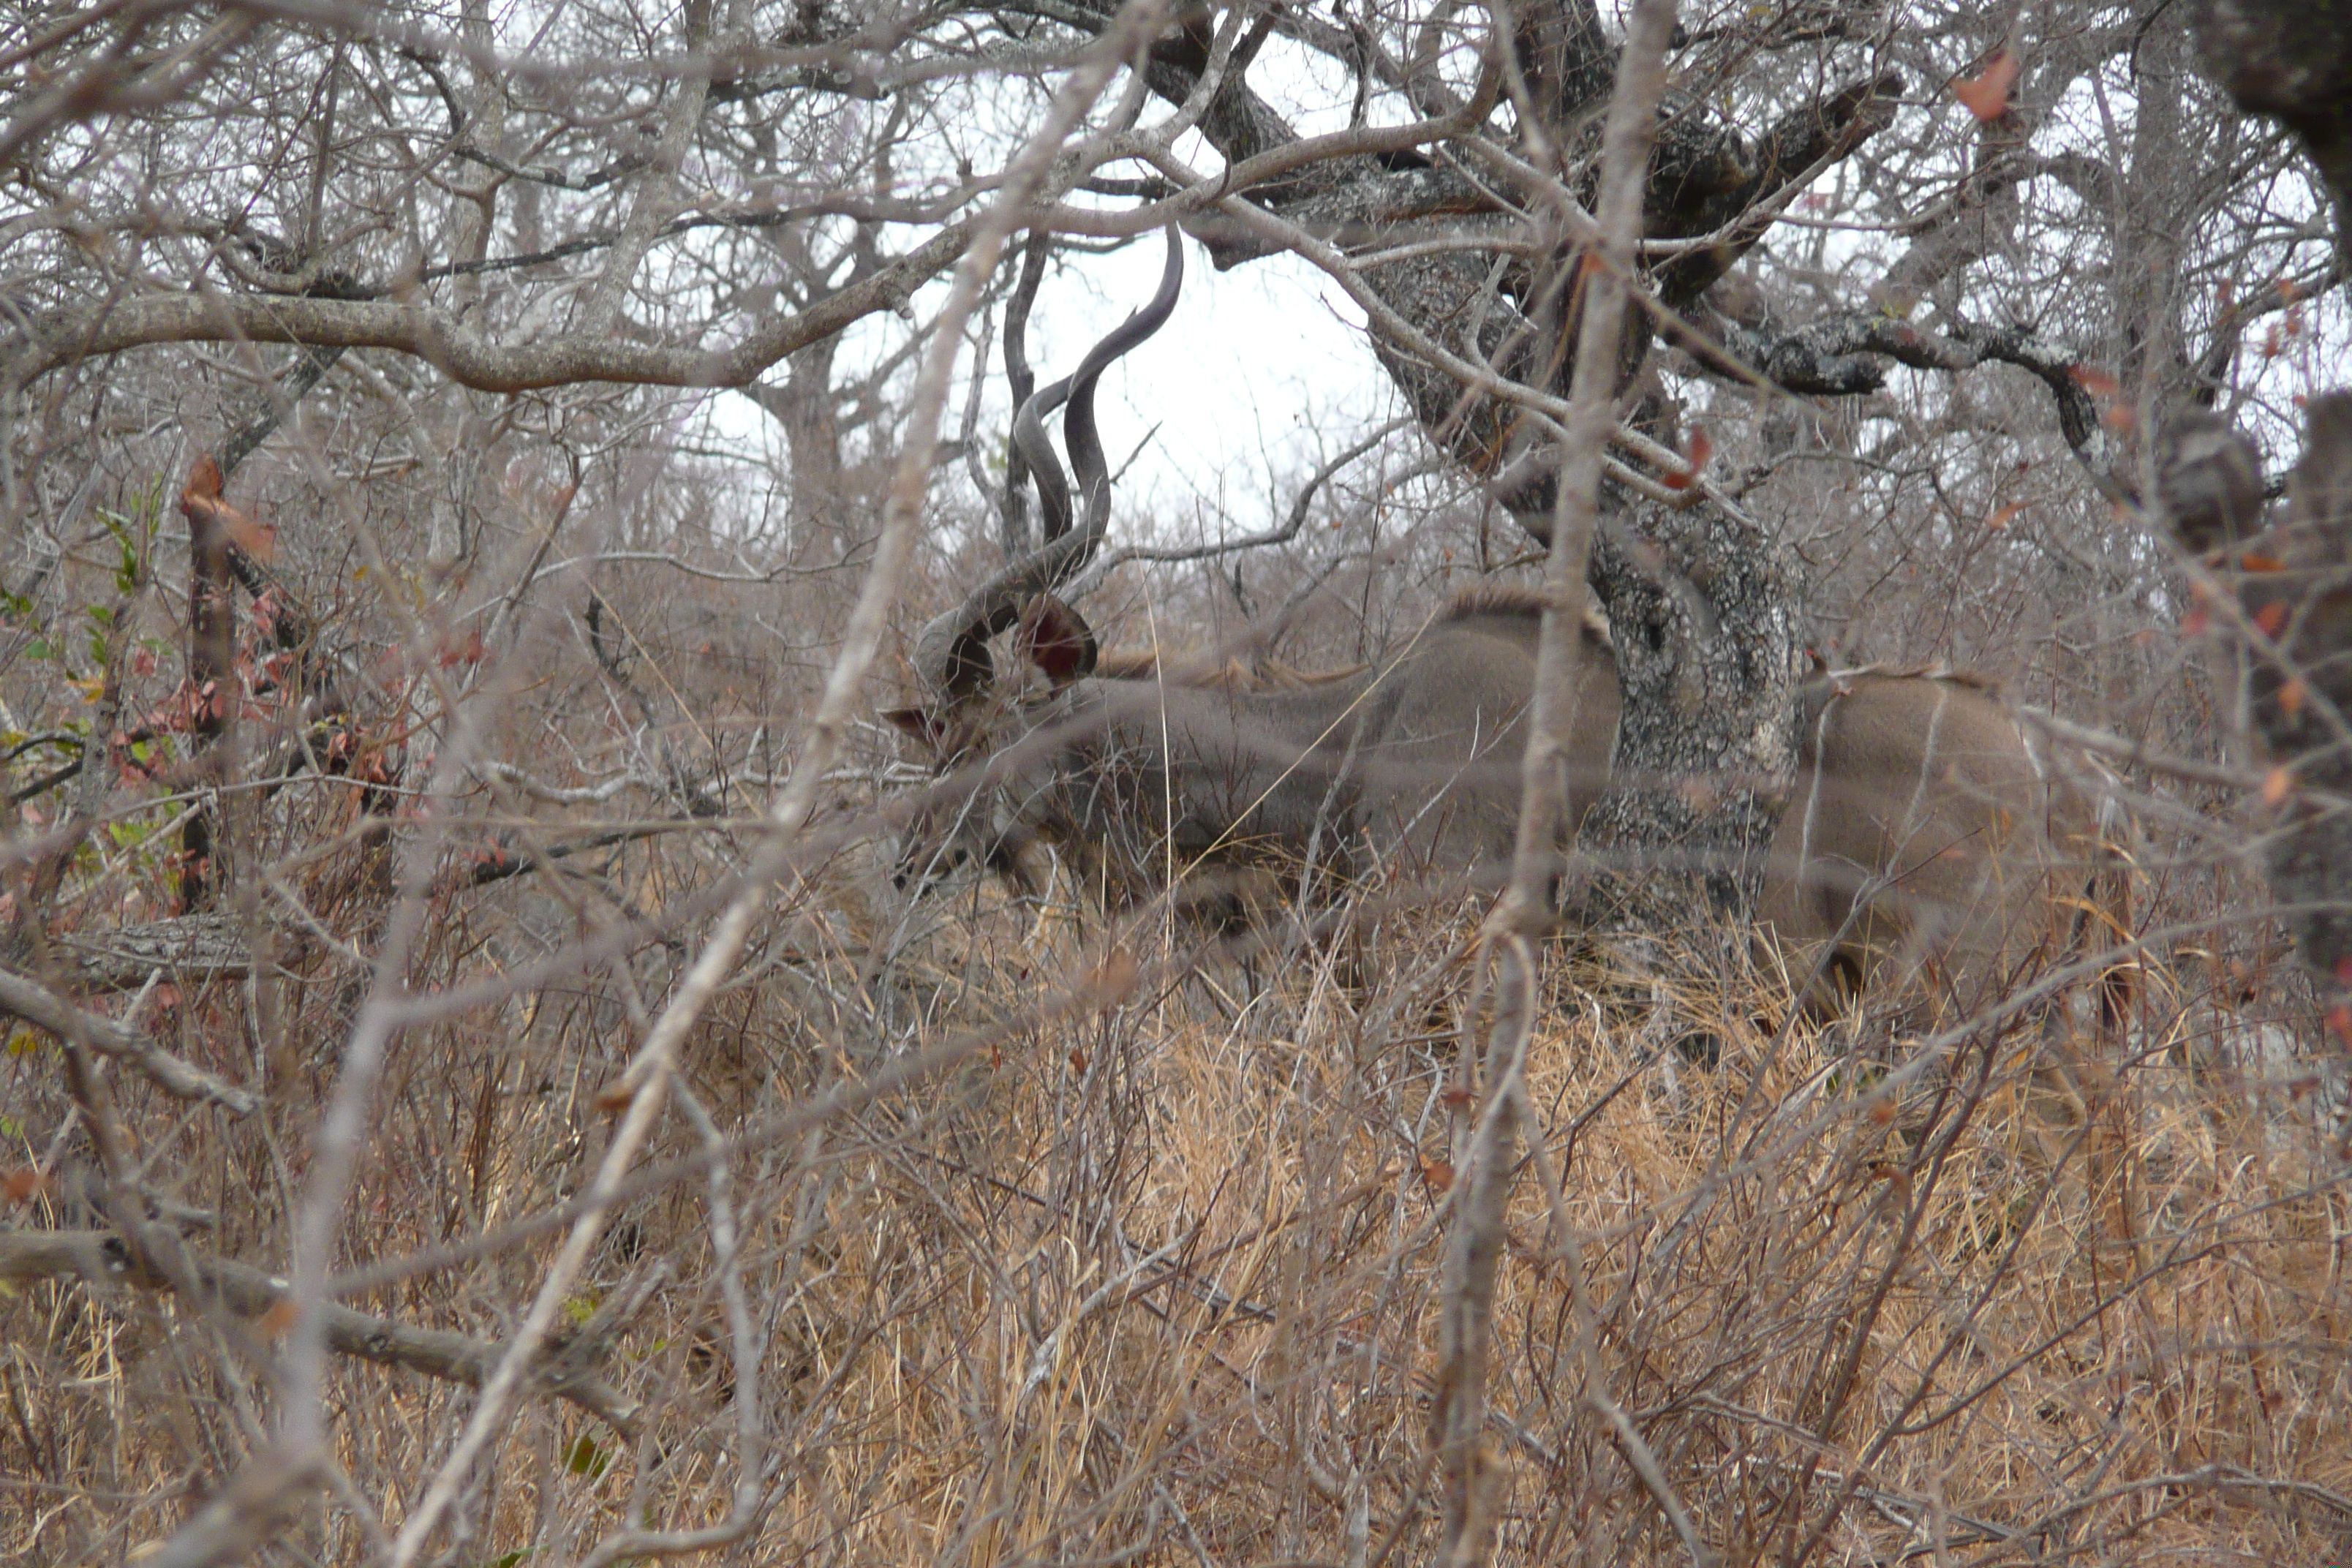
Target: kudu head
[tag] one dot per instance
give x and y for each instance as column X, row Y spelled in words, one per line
column 968, row 714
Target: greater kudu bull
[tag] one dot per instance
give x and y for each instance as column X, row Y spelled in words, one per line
column 1151, row 779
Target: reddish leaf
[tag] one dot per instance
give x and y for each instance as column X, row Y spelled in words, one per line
column 22, row 1185
column 1987, row 96
column 279, row 1317
column 202, row 491
column 2271, row 618
column 258, row 541
column 2262, row 563
column 2277, row 784
column 1439, row 1175
column 1078, row 1062
column 2097, row 382
column 2290, row 697
column 1458, row 1099
column 1999, row 521
column 2197, row 622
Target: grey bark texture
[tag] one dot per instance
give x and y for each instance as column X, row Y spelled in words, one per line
column 2296, row 609
column 2292, row 61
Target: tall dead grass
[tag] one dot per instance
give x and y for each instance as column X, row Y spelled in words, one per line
column 1159, row 1283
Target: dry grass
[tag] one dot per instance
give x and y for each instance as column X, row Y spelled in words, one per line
column 1159, row 1284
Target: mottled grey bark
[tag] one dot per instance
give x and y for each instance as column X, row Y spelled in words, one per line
column 2292, row 59
column 2297, row 614
column 1703, row 610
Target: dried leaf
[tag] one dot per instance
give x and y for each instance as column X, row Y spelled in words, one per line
column 1439, row 1175
column 23, row 1185
column 2272, row 618
column 203, row 490
column 2251, row 563
column 2277, row 784
column 2097, row 382
column 467, row 649
column 2290, row 697
column 2000, row 520
column 1987, row 96
column 258, row 541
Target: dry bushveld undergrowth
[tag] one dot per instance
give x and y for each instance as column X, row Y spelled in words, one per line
column 421, row 886
column 1157, row 1282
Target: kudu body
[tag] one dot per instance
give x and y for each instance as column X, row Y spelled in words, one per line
column 1927, row 837
column 1207, row 784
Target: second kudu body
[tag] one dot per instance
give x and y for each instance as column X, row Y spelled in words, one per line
column 1929, row 836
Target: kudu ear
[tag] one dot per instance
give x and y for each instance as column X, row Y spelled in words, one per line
column 1057, row 640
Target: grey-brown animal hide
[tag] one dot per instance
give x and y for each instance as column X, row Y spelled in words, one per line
column 1927, row 835
column 1152, row 781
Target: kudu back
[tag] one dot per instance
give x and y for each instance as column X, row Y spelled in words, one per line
column 1928, row 838
column 1219, row 787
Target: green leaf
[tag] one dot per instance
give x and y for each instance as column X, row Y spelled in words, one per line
column 585, row 1459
